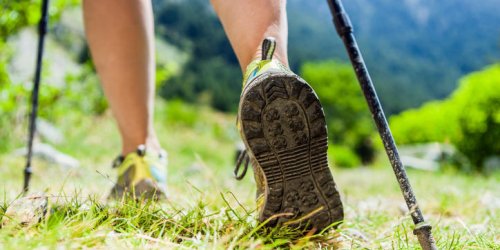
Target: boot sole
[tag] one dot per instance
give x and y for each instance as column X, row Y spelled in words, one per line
column 284, row 128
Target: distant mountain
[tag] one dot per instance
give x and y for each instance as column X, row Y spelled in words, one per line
column 415, row 49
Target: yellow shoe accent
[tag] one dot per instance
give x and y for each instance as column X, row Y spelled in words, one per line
column 140, row 173
column 141, row 169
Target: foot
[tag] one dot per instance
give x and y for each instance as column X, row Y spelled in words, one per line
column 140, row 175
column 282, row 124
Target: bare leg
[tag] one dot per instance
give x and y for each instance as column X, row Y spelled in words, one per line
column 121, row 39
column 291, row 114
column 247, row 23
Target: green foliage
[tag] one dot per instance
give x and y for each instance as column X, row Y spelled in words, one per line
column 434, row 121
column 13, row 109
column 10, row 114
column 343, row 156
column 163, row 73
column 14, row 16
column 54, row 102
column 208, row 210
column 212, row 75
column 18, row 14
column 80, row 95
column 415, row 50
column 347, row 115
column 404, row 51
column 178, row 112
column 478, row 103
column 469, row 118
column 211, row 81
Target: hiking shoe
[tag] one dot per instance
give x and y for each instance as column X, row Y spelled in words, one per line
column 141, row 175
column 282, row 124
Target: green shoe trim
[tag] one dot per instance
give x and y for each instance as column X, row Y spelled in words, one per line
column 265, row 64
column 146, row 166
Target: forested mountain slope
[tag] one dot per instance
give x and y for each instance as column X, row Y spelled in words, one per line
column 415, row 49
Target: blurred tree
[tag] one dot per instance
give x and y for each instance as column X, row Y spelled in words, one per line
column 478, row 107
column 434, row 121
column 347, row 114
column 16, row 15
column 212, row 73
column 469, row 118
column 14, row 96
column 402, row 44
column 415, row 52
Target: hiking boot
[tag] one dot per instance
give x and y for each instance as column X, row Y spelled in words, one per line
column 283, row 127
column 141, row 175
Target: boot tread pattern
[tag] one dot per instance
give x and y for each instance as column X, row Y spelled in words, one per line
column 284, row 127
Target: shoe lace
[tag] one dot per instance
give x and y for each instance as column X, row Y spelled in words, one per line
column 243, row 160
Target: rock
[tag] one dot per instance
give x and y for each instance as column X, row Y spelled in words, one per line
column 403, row 209
column 24, row 45
column 429, row 151
column 418, row 163
column 194, row 168
column 491, row 164
column 430, row 156
column 490, row 201
column 51, row 155
column 356, row 234
column 479, row 228
column 49, row 132
column 26, row 210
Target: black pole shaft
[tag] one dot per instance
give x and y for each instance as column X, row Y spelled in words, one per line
column 42, row 30
column 345, row 31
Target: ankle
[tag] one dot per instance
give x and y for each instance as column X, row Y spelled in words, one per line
column 152, row 144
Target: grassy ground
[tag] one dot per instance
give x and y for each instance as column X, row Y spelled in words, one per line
column 209, row 209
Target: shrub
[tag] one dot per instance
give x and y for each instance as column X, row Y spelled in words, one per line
column 478, row 114
column 343, row 156
column 469, row 118
column 348, row 117
column 13, row 96
column 434, row 121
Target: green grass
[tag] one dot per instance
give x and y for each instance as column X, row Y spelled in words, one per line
column 207, row 208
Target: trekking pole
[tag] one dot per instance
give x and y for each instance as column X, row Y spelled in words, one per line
column 42, row 29
column 345, row 31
